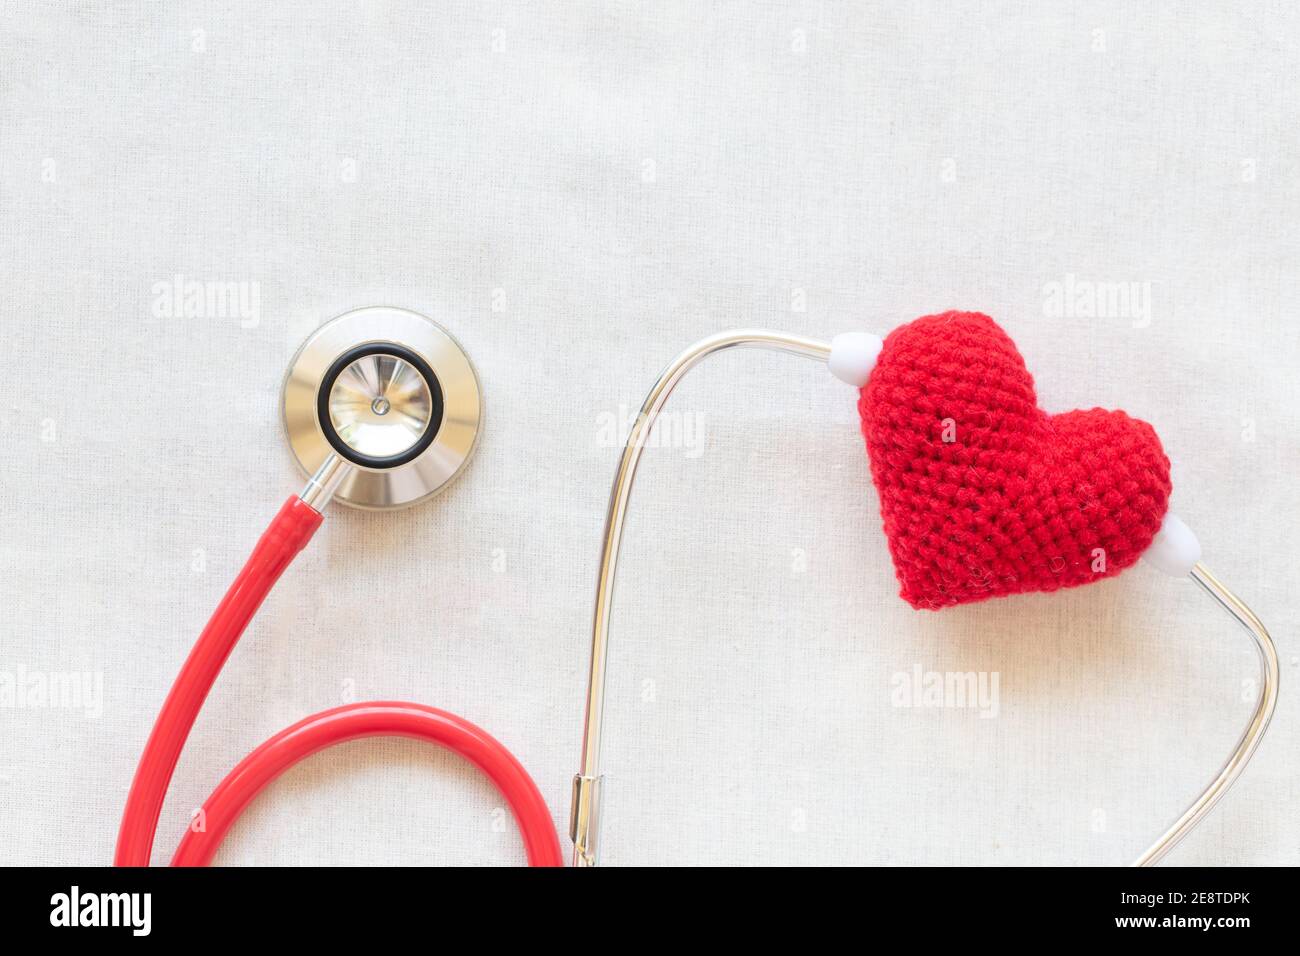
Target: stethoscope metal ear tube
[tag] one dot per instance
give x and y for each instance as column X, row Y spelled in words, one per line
column 584, row 820
column 1265, row 704
column 851, row 363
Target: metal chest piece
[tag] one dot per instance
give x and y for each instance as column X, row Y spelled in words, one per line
column 390, row 392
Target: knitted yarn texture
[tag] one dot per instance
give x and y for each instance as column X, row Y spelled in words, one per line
column 983, row 493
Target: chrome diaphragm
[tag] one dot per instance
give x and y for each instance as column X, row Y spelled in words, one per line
column 380, row 405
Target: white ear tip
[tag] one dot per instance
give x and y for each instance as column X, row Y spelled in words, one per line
column 1174, row 549
column 853, row 356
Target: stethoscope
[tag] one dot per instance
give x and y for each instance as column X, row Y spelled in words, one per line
column 382, row 409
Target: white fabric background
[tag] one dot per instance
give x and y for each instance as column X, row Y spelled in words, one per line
column 578, row 191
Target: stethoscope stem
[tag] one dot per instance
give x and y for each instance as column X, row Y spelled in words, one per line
column 320, row 487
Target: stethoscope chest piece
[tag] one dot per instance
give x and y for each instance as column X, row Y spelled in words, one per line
column 390, row 392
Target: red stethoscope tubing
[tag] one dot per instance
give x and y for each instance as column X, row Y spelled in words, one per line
column 288, row 533
column 372, row 719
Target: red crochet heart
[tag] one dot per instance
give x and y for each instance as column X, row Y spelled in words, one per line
column 985, row 494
